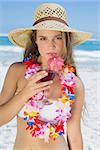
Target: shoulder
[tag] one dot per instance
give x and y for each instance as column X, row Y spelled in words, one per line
column 79, row 85
column 16, row 69
column 16, row 66
column 79, row 91
column 10, row 82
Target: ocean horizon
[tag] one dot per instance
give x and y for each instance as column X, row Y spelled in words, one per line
column 91, row 44
column 86, row 54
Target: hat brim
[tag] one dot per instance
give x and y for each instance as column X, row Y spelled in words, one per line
column 20, row 37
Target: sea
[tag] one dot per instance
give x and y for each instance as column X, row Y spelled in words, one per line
column 87, row 58
column 85, row 53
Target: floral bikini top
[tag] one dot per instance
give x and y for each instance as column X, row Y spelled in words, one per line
column 45, row 119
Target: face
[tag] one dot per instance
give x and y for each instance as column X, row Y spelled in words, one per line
column 49, row 41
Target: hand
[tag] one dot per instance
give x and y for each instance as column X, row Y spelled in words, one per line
column 33, row 85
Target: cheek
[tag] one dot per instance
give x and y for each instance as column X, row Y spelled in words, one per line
column 60, row 46
column 41, row 48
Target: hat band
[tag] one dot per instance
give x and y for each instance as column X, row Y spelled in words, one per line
column 50, row 18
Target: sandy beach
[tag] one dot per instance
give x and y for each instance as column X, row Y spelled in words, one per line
column 89, row 73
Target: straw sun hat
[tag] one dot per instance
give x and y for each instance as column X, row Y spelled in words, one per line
column 48, row 16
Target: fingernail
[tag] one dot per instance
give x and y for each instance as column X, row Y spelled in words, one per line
column 46, row 73
column 51, row 81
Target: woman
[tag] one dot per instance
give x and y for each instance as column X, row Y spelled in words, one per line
column 45, row 91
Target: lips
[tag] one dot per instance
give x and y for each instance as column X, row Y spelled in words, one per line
column 50, row 53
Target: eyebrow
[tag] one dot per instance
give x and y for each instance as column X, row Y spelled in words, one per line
column 54, row 36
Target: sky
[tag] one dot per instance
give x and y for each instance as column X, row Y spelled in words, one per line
column 82, row 14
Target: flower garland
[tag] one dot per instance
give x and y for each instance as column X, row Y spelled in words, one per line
column 31, row 113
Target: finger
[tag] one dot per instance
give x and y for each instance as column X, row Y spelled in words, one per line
column 36, row 77
column 43, row 84
column 36, row 74
column 41, row 89
column 39, row 77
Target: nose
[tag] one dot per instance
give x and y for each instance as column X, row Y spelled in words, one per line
column 51, row 44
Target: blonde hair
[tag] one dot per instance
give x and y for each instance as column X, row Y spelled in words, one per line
column 67, row 52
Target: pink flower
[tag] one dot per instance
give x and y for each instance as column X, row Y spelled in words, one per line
column 55, row 62
column 32, row 69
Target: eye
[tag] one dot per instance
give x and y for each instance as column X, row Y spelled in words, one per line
column 59, row 38
column 43, row 38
